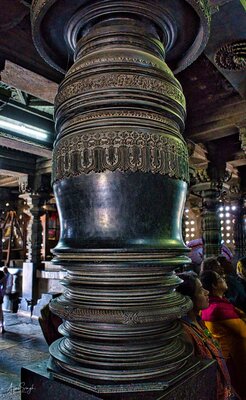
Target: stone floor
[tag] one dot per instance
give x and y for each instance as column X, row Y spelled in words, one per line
column 22, row 344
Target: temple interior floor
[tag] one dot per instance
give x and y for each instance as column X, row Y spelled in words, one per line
column 22, row 344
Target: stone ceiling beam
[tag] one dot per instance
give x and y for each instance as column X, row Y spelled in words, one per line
column 230, row 109
column 29, row 82
column 26, row 147
column 212, row 131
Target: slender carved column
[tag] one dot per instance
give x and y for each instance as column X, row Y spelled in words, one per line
column 211, row 223
column 240, row 230
column 210, row 182
column 34, row 228
column 33, row 256
column 208, row 191
column 120, row 172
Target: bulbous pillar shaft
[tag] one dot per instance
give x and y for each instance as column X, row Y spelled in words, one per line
column 120, row 172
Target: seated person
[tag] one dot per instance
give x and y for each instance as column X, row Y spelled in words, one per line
column 228, row 327
column 49, row 323
column 236, row 292
column 212, row 264
column 204, row 345
column 2, row 292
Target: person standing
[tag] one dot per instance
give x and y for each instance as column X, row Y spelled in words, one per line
column 2, row 292
column 9, row 281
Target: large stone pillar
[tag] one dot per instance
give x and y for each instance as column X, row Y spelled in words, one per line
column 120, row 172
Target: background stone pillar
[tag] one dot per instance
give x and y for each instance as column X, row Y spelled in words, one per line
column 34, row 210
column 34, row 228
column 211, row 231
column 240, row 230
column 120, row 172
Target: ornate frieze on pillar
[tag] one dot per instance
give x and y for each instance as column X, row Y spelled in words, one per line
column 120, row 173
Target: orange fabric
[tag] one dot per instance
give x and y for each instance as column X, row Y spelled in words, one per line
column 228, row 333
column 206, row 349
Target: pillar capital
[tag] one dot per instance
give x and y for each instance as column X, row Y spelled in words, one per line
column 165, row 17
column 223, row 179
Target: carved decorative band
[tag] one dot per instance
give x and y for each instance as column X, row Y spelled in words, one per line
column 89, row 62
column 94, row 116
column 118, row 81
column 180, row 306
column 120, row 150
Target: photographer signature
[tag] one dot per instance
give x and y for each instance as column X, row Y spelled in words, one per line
column 22, row 388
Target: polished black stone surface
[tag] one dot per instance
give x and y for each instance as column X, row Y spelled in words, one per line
column 199, row 385
column 114, row 210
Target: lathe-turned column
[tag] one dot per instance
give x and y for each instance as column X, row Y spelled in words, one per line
column 34, row 211
column 240, row 229
column 211, row 229
column 120, row 172
column 240, row 214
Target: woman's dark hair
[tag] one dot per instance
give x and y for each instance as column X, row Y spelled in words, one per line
column 208, row 279
column 2, row 275
column 188, row 286
column 210, row 264
column 226, row 264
